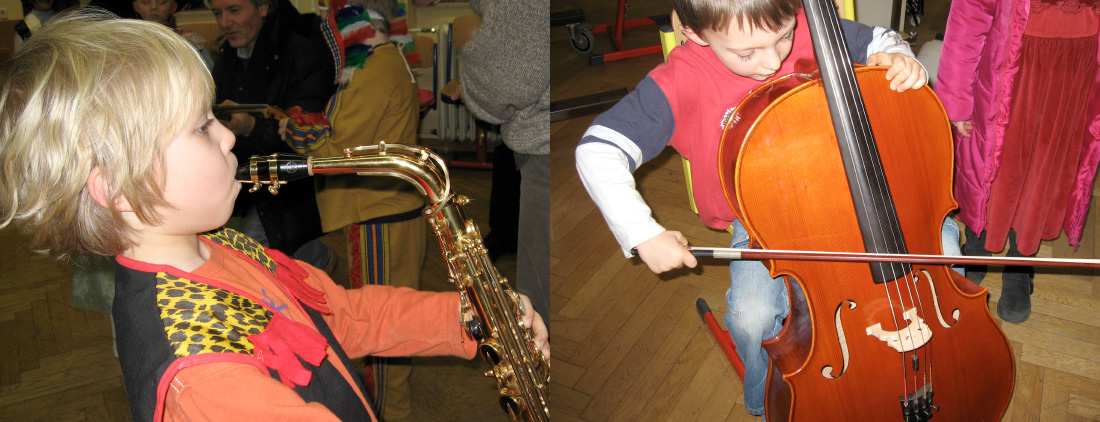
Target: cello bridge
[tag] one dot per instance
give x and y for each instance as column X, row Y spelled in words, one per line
column 908, row 338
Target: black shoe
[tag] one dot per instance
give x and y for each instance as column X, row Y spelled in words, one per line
column 1015, row 303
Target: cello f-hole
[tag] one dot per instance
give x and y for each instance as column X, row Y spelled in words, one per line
column 955, row 314
column 827, row 370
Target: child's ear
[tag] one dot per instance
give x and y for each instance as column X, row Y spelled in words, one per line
column 693, row 36
column 96, row 187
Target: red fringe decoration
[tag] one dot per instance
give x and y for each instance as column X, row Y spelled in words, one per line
column 282, row 343
column 292, row 277
column 301, row 118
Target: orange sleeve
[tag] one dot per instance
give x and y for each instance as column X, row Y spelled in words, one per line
column 393, row 321
column 223, row 391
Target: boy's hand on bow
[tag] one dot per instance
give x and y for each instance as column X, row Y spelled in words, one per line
column 538, row 327
column 666, row 251
column 905, row 72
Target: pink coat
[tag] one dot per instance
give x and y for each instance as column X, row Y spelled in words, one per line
column 978, row 65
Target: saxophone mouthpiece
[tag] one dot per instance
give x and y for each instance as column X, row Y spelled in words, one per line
column 274, row 170
column 243, row 174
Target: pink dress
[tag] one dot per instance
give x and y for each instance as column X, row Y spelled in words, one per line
column 1044, row 137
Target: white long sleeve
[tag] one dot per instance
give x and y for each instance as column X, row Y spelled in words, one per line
column 605, row 172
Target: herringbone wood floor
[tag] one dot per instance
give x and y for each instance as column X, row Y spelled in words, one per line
column 56, row 362
column 629, row 345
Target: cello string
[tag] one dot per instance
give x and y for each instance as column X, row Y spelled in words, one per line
column 834, row 59
column 849, row 101
column 925, row 340
column 826, row 25
column 909, row 275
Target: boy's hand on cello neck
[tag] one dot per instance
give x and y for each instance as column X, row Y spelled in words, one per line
column 905, row 72
column 665, row 252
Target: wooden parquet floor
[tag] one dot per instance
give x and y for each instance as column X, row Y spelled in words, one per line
column 57, row 364
column 629, row 345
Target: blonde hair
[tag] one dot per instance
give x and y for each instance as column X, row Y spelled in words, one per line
column 91, row 90
column 716, row 15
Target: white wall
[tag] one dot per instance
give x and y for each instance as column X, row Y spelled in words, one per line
column 877, row 12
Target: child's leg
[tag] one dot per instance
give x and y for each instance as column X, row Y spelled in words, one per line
column 757, row 305
column 1017, row 285
column 949, row 235
column 392, row 255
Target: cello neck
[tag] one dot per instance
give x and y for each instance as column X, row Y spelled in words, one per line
column 873, row 202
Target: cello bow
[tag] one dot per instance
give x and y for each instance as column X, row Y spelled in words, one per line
column 759, row 254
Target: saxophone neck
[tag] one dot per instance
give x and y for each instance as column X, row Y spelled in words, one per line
column 416, row 165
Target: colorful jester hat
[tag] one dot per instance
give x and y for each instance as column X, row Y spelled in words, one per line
column 349, row 26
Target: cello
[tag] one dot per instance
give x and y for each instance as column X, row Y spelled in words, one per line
column 878, row 341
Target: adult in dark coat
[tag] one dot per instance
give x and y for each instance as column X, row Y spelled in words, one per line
column 264, row 61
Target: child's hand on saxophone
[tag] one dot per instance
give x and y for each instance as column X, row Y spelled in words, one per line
column 534, row 321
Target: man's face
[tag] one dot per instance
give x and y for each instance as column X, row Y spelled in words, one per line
column 240, row 21
column 752, row 53
column 155, row 10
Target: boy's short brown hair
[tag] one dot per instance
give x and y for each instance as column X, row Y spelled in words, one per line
column 93, row 91
column 716, row 15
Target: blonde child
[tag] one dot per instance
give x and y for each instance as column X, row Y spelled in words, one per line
column 108, row 146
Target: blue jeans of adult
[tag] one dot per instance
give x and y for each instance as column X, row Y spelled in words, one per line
column 757, row 304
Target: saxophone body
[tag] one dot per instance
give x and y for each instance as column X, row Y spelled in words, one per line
column 492, row 310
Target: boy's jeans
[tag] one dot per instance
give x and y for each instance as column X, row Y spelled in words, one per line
column 757, row 305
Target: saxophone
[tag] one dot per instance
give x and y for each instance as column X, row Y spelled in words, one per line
column 492, row 310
